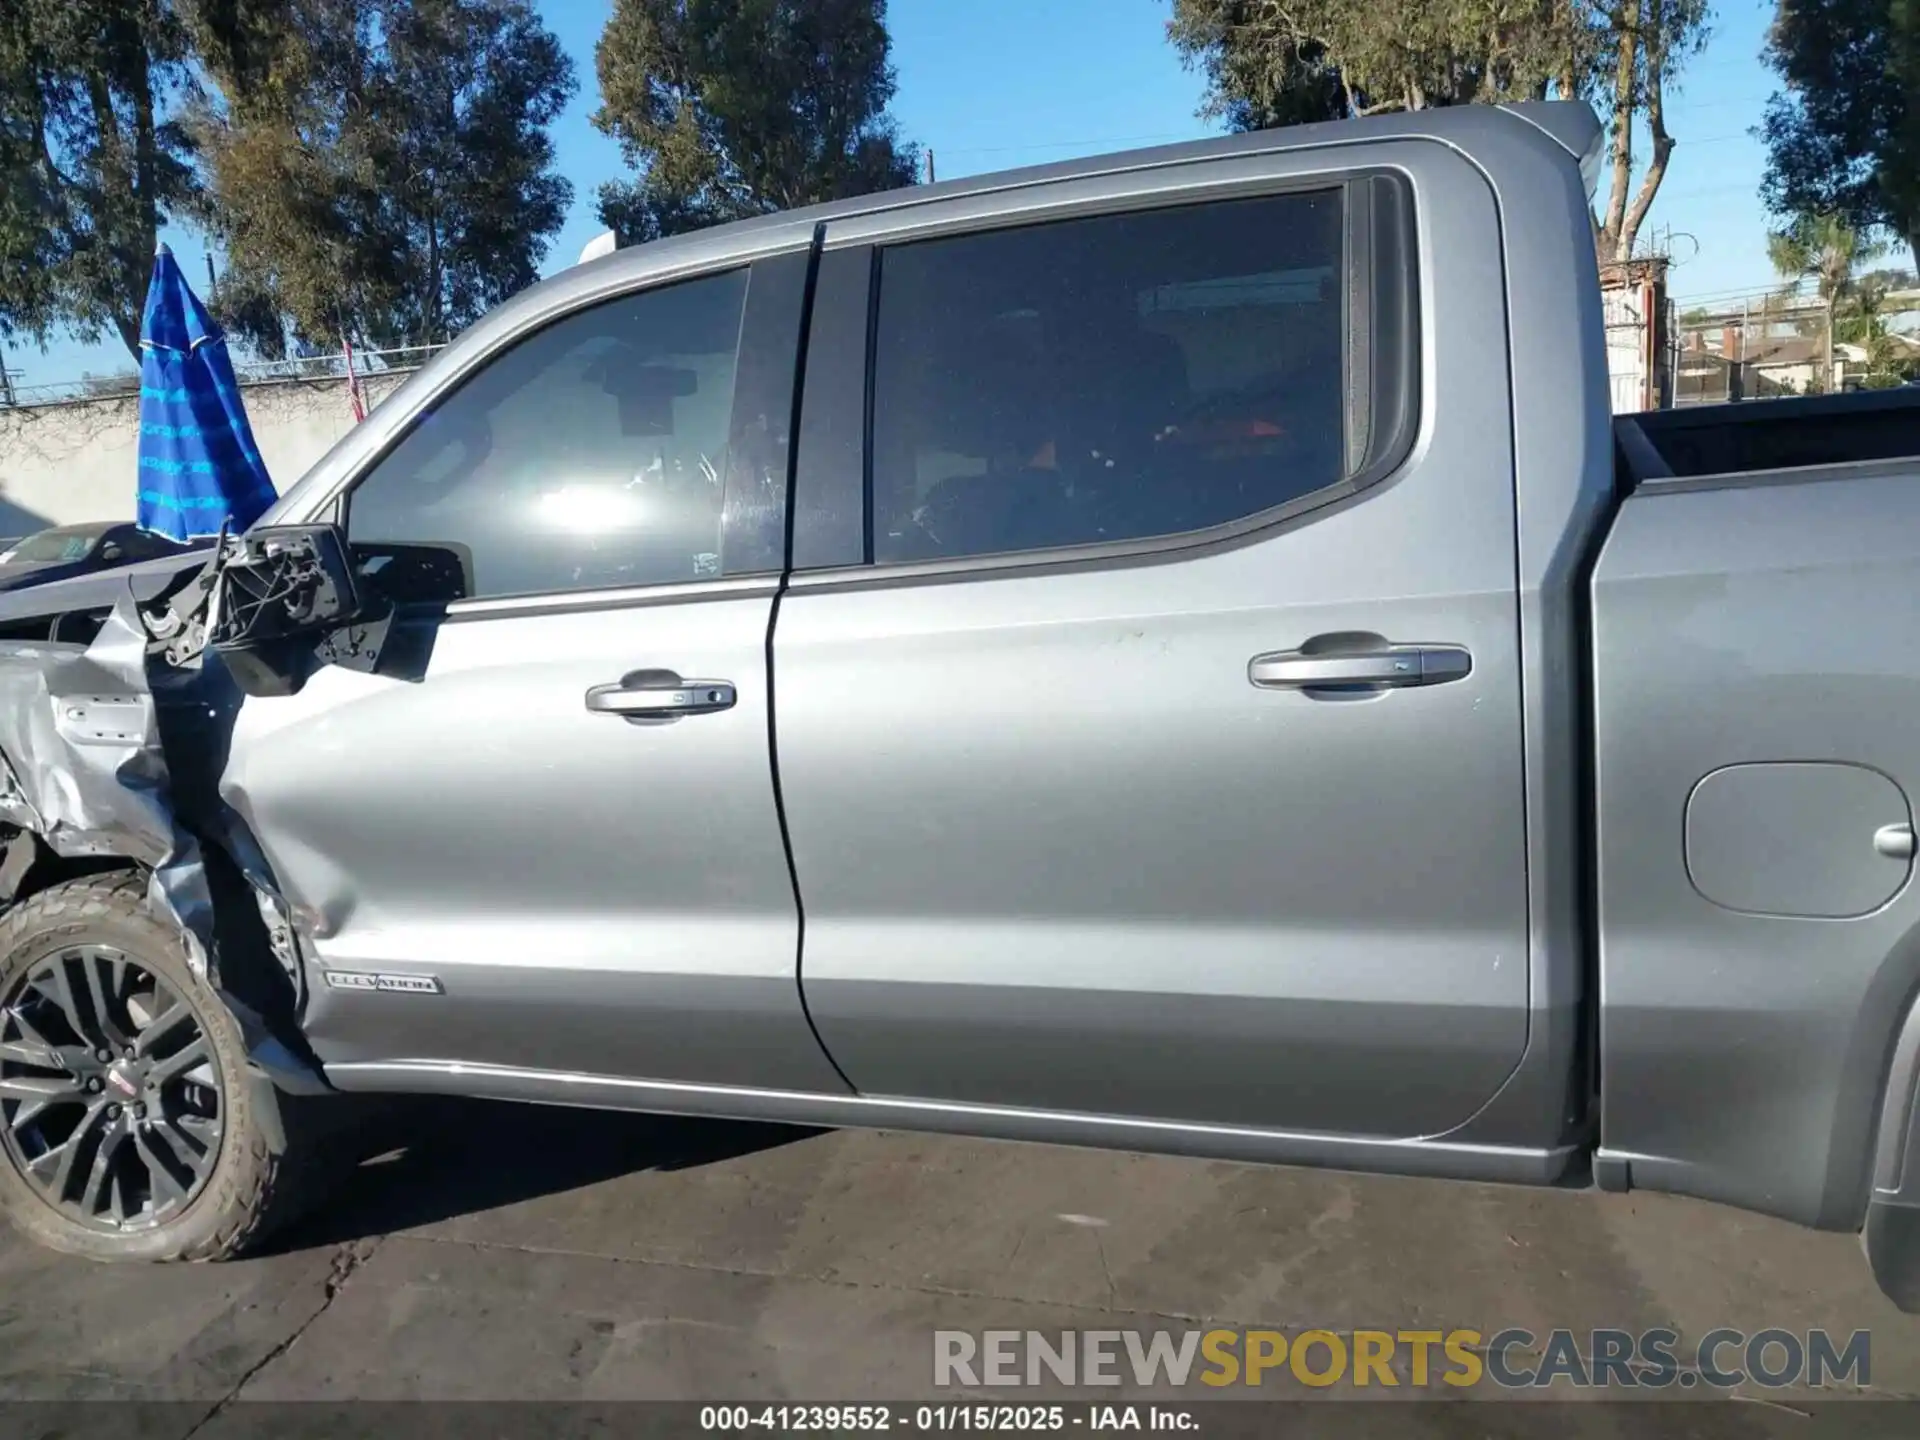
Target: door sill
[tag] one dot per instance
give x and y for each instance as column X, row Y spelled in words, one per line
column 1436, row 1158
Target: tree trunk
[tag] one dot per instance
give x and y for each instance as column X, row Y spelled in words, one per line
column 1566, row 23
column 1622, row 140
column 1832, row 381
column 146, row 158
column 433, row 278
column 129, row 331
column 1651, row 38
column 116, row 174
column 1656, row 170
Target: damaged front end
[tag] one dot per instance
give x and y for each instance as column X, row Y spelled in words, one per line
column 112, row 751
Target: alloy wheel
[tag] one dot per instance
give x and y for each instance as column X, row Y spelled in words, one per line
column 110, row 1094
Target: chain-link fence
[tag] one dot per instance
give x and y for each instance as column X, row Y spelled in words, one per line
column 368, row 364
column 1793, row 342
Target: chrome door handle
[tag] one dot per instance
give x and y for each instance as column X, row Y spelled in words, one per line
column 661, row 700
column 1396, row 665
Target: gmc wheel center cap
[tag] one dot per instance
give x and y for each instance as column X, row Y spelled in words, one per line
column 123, row 1078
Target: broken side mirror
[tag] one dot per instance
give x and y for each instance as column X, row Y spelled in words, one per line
column 279, row 594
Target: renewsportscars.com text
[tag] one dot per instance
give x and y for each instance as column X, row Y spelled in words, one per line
column 1510, row 1358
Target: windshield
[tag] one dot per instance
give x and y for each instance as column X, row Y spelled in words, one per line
column 54, row 545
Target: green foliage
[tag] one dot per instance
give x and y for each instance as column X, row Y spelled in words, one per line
column 1843, row 138
column 379, row 169
column 1826, row 250
column 92, row 163
column 730, row 108
column 1865, row 318
column 1823, row 248
column 1258, row 76
column 1272, row 63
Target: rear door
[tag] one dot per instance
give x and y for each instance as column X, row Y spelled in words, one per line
column 551, row 818
column 1148, row 698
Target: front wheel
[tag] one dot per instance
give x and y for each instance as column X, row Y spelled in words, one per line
column 130, row 1125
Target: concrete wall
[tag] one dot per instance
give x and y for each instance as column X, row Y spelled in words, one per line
column 60, row 464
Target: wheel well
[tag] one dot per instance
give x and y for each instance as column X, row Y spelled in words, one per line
column 29, row 865
column 249, row 970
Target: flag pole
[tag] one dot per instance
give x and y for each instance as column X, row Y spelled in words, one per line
column 356, row 399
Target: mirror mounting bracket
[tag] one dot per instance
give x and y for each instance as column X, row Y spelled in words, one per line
column 284, row 602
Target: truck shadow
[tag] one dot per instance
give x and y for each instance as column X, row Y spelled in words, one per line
column 416, row 1160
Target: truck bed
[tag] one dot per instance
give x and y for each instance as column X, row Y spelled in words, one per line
column 1709, row 441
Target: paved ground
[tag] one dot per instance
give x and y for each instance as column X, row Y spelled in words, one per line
column 533, row 1254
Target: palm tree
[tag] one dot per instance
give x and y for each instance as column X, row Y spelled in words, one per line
column 1863, row 320
column 1826, row 249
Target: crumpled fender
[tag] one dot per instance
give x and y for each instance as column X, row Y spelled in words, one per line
column 115, row 748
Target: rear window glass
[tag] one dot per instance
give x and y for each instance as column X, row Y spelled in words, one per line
column 1106, row 379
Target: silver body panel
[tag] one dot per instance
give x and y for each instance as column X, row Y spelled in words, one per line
column 1057, row 852
column 593, row 894
column 1755, row 624
column 1563, row 496
column 1441, row 1158
column 1784, row 839
column 1063, row 873
column 1016, row 847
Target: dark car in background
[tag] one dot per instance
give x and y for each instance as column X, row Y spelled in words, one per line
column 68, row 550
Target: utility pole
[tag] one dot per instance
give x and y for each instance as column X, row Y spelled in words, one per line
column 1670, row 385
column 1832, row 388
column 209, row 271
column 6, row 382
column 930, row 167
column 1745, row 320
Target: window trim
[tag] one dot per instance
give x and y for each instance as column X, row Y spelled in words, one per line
column 622, row 597
column 1380, row 264
column 337, row 507
column 834, row 455
column 774, row 321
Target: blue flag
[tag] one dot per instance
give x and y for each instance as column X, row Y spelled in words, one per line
column 199, row 468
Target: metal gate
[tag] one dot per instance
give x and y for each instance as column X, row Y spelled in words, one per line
column 1629, row 348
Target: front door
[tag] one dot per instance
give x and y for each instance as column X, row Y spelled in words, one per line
column 1154, row 747
column 533, row 841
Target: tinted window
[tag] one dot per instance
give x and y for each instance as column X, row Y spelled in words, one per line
column 590, row 454
column 55, row 545
column 1107, row 379
column 139, row 545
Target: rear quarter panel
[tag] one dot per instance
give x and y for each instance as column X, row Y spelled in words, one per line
column 1757, row 622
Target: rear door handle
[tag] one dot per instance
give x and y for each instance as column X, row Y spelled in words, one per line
column 658, row 698
column 1396, row 665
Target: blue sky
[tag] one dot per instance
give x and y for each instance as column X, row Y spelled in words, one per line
column 995, row 84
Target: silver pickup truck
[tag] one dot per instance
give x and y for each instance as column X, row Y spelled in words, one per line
column 1169, row 652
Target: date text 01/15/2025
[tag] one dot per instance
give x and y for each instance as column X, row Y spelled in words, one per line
column 947, row 1418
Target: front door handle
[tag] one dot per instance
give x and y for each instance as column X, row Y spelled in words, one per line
column 660, row 695
column 1393, row 665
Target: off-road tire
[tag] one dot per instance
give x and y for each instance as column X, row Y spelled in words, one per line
column 264, row 1173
